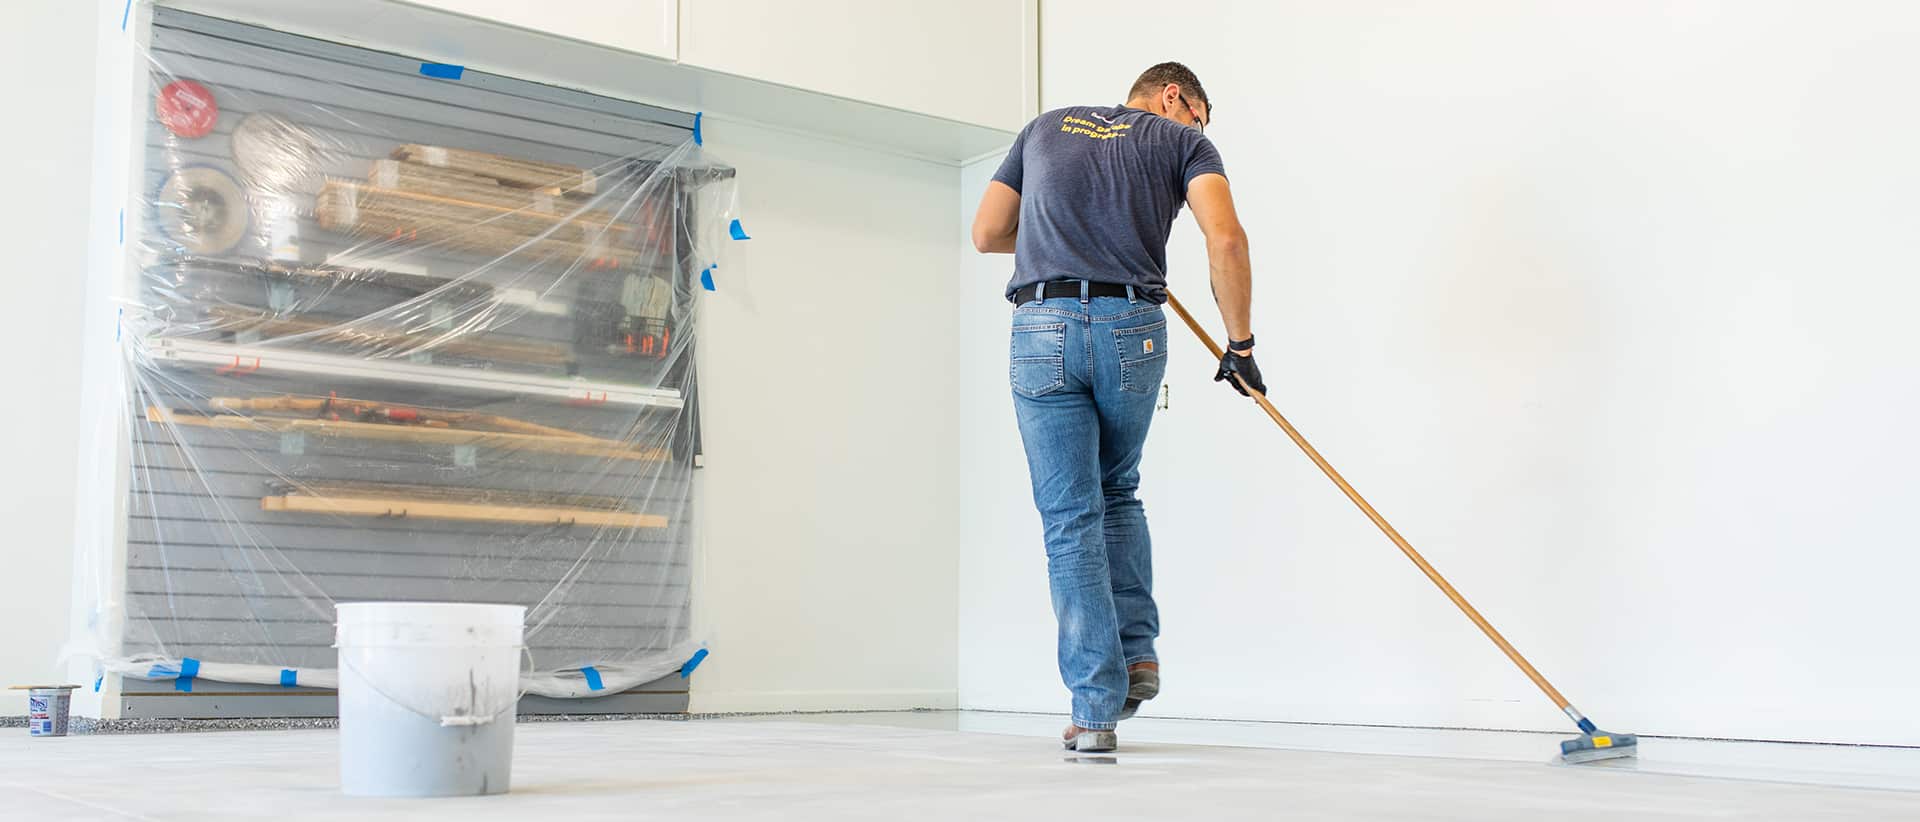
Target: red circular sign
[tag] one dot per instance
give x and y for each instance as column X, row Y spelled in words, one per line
column 186, row 108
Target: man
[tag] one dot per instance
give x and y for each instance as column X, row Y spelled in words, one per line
column 1085, row 201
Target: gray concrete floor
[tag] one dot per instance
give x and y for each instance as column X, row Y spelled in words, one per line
column 963, row 765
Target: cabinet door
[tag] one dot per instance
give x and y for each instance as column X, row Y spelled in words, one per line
column 962, row 61
column 645, row 26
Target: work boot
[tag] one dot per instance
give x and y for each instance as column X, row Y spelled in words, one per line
column 1084, row 740
column 1143, row 683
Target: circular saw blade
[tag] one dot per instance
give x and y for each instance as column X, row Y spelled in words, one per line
column 203, row 210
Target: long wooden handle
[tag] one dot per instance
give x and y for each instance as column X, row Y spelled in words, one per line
column 466, row 512
column 1379, row 521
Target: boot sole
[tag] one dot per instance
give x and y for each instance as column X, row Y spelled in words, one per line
column 1147, row 687
column 1093, row 742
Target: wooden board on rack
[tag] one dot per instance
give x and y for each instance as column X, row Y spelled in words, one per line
column 511, row 171
column 432, row 509
column 361, row 332
column 451, row 493
column 332, row 407
column 526, row 223
column 355, row 208
column 329, row 276
column 606, row 449
column 412, row 177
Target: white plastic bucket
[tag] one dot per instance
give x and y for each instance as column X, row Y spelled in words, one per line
column 428, row 697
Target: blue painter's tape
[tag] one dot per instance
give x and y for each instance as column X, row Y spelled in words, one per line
column 123, row 226
column 189, row 668
column 118, row 316
column 125, row 12
column 289, row 678
column 593, row 679
column 696, row 127
column 693, row 662
column 444, row 71
column 738, row 232
column 706, row 278
column 96, row 682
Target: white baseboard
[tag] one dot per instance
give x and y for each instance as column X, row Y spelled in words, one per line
column 780, row 701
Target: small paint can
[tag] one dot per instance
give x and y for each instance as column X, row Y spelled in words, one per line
column 47, row 709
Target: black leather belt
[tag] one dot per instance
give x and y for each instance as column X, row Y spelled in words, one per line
column 1068, row 288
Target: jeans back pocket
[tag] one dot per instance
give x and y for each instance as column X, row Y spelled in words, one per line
column 1037, row 355
column 1143, row 356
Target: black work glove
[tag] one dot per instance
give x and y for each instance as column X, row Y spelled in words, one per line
column 1243, row 365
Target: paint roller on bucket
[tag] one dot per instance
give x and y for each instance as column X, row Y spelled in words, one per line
column 429, row 693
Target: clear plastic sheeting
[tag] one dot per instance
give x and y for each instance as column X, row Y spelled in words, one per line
column 392, row 336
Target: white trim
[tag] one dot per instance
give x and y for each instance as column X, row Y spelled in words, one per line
column 749, row 701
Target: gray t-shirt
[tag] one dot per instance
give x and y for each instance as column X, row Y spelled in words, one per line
column 1099, row 188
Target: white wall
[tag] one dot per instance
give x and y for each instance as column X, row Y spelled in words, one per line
column 1607, row 308
column 46, row 216
column 827, row 553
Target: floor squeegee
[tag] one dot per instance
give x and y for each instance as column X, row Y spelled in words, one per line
column 1593, row 744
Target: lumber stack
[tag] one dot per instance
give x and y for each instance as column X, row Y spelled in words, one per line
column 512, row 171
column 361, row 332
column 490, row 204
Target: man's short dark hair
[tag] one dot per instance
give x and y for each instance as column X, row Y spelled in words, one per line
column 1154, row 79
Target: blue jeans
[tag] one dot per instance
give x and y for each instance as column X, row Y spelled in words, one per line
column 1085, row 379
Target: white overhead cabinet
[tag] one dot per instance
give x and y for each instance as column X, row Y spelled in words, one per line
column 966, row 62
column 961, row 61
column 647, row 27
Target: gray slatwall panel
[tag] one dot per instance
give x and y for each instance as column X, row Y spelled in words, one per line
column 380, row 103
column 380, row 582
column 507, row 86
column 209, row 574
column 143, row 699
column 230, row 472
column 189, row 391
column 164, row 705
column 355, row 138
column 307, row 634
column 188, row 557
column 390, row 540
column 290, row 609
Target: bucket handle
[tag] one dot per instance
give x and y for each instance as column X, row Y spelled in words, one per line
column 470, row 720
column 520, row 692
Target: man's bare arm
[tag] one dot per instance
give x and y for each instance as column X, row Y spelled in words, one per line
column 1230, row 268
column 997, row 222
